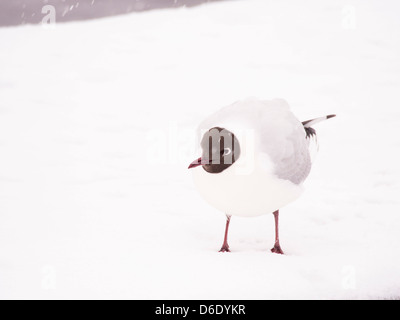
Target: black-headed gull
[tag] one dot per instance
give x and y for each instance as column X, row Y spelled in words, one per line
column 255, row 158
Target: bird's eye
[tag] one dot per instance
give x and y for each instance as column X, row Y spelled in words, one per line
column 227, row 151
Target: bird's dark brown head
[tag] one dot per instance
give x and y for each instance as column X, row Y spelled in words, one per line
column 220, row 150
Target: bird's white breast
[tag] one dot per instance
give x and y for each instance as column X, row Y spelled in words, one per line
column 241, row 193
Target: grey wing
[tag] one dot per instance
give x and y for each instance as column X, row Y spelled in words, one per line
column 295, row 164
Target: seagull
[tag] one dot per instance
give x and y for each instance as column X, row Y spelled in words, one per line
column 255, row 158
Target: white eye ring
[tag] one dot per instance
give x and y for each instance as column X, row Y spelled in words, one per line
column 227, row 151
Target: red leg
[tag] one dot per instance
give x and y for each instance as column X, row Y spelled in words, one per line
column 277, row 247
column 225, row 246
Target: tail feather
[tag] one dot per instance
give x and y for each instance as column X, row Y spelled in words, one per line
column 309, row 123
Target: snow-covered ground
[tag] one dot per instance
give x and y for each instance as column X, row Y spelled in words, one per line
column 97, row 125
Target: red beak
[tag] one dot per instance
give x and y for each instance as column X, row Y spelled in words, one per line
column 197, row 163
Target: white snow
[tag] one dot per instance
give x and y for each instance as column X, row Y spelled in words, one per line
column 97, row 128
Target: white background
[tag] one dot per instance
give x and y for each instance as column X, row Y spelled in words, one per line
column 97, row 125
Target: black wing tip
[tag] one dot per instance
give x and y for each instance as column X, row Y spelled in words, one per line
column 331, row 116
column 310, row 132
